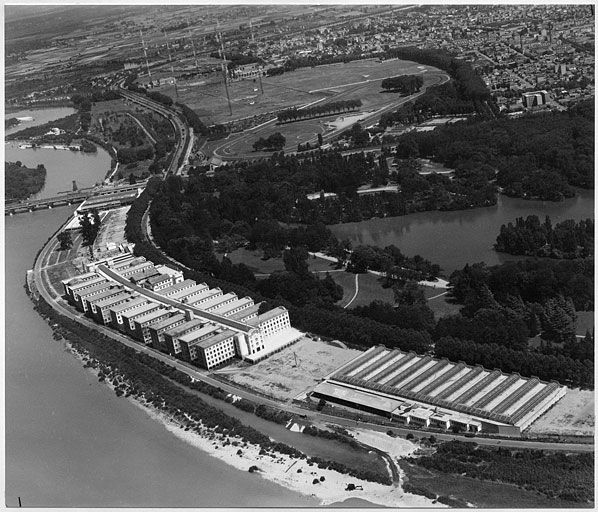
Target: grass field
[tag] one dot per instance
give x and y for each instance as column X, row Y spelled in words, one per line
column 358, row 79
column 254, row 260
column 280, row 377
column 480, row 494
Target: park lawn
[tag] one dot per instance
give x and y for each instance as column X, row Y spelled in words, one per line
column 480, row 494
column 254, row 260
column 440, row 306
column 370, row 289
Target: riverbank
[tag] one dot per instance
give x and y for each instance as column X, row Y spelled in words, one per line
column 295, row 474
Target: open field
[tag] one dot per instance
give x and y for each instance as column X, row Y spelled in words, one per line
column 278, row 376
column 438, row 302
column 358, row 79
column 370, row 289
column 571, row 415
column 481, row 494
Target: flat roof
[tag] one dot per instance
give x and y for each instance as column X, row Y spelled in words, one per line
column 359, row 397
column 143, row 274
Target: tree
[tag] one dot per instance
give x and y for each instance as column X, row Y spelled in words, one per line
column 295, row 260
column 320, row 139
column 411, row 293
column 65, row 240
column 132, row 179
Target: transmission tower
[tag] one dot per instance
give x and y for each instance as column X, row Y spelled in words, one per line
column 145, row 54
column 224, row 70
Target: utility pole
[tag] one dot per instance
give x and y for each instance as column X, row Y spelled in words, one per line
column 145, row 54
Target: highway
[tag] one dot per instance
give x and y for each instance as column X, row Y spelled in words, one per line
column 182, row 132
column 47, row 291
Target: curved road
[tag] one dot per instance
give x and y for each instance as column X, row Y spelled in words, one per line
column 49, row 294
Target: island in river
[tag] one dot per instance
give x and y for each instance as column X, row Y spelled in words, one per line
column 21, row 182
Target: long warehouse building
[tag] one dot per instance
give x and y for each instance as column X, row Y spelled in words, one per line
column 428, row 392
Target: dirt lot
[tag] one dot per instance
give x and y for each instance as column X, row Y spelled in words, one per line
column 572, row 415
column 278, row 376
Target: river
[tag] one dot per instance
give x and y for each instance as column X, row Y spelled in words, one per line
column 38, row 116
column 452, row 239
column 62, row 167
column 70, row 442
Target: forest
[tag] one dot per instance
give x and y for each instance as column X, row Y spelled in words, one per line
column 561, row 475
column 274, row 142
column 535, row 156
column 502, row 306
column 529, row 237
column 21, row 182
column 405, row 84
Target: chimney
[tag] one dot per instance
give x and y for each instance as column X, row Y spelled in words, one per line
column 188, row 315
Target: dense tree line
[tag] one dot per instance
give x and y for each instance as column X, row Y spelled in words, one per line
column 405, row 84
column 160, row 98
column 294, row 114
column 530, row 237
column 565, row 370
column 193, row 119
column 21, row 182
column 561, row 475
column 528, row 280
column 537, row 155
column 274, row 142
column 392, row 262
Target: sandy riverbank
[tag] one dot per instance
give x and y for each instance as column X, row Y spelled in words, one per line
column 282, row 469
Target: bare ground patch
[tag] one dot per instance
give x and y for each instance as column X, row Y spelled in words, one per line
column 572, row 415
column 280, row 377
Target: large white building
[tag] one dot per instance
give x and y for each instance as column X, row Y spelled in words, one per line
column 155, row 305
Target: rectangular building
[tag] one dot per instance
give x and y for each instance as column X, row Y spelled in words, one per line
column 217, row 349
column 234, row 307
column 171, row 336
column 142, row 323
column 158, row 329
column 116, row 311
column 215, row 302
column 188, row 341
column 101, row 308
column 176, row 288
column 131, row 315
